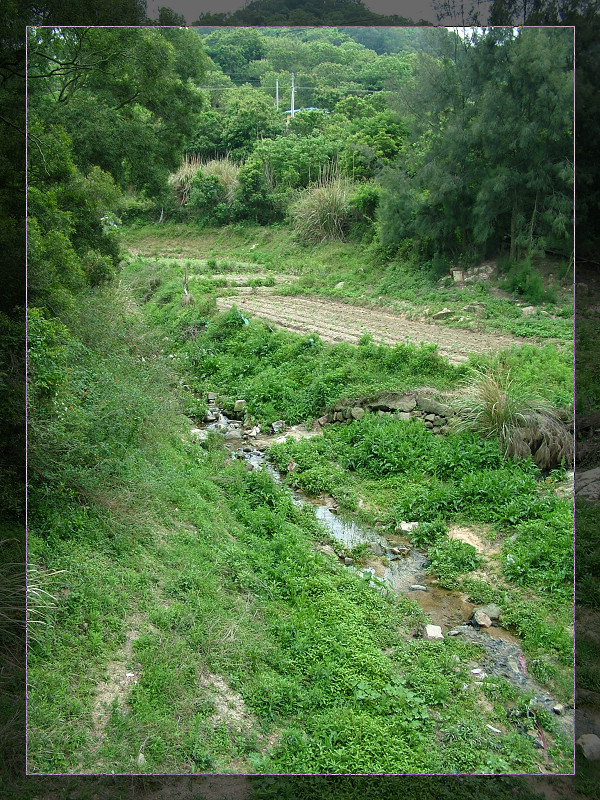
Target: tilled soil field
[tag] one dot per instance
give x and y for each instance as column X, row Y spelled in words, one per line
column 339, row 322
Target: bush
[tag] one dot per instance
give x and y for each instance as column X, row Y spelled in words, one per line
column 522, row 280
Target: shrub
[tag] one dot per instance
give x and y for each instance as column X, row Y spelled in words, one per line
column 181, row 181
column 522, row 280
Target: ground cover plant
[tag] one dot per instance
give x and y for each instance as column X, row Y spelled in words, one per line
column 262, row 617
column 187, row 615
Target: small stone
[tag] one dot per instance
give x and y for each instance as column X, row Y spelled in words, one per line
column 430, row 417
column 211, row 397
column 233, row 436
column 339, row 285
column 443, row 314
column 377, row 549
column 239, row 406
column 141, row 760
column 590, row 745
column 433, row 633
column 357, row 412
column 407, row 527
column 558, row 708
column 453, row 633
column 323, row 420
column 348, row 561
column 278, row 426
column 527, row 311
column 338, row 416
column 482, row 619
column 418, row 587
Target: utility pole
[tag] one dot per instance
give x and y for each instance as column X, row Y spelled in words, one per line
column 277, row 93
column 293, row 90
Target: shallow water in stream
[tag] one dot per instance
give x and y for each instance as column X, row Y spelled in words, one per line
column 502, row 654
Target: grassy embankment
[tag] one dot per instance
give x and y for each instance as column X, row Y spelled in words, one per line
column 251, row 650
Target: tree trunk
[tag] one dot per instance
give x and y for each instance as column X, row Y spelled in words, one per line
column 513, row 230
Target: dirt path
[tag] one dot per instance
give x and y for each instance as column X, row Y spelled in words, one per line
column 339, row 322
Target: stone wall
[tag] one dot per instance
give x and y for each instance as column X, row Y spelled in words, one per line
column 421, row 405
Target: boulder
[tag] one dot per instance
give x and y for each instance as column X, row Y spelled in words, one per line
column 357, row 412
column 590, row 745
column 233, row 436
column 406, row 527
column 431, row 406
column 239, row 406
column 491, row 609
column 199, row 434
column 392, row 401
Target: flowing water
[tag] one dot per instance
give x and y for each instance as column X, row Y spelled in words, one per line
column 403, row 570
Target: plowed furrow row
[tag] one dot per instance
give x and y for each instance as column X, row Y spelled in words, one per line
column 336, row 322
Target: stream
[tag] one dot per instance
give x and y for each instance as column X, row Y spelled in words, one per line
column 400, row 567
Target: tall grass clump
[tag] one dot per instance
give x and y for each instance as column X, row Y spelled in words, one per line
column 495, row 404
column 224, row 170
column 227, row 171
column 181, row 181
column 323, row 213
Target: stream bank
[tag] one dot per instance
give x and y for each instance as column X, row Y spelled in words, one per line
column 394, row 565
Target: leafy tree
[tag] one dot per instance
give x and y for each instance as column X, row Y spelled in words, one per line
column 119, row 95
column 527, row 178
column 489, row 159
column 233, row 50
column 249, row 117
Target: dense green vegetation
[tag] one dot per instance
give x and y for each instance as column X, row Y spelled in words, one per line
column 189, row 595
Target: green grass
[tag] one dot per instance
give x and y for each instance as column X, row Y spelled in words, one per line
column 368, row 276
column 251, row 650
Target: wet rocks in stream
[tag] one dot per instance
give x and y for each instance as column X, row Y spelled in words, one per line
column 401, row 569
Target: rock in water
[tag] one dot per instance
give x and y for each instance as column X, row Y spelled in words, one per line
column 482, row 619
column 491, row 609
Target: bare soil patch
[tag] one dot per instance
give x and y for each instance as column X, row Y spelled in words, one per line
column 334, row 321
column 476, row 538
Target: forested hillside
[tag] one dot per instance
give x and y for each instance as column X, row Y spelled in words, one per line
column 190, row 612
